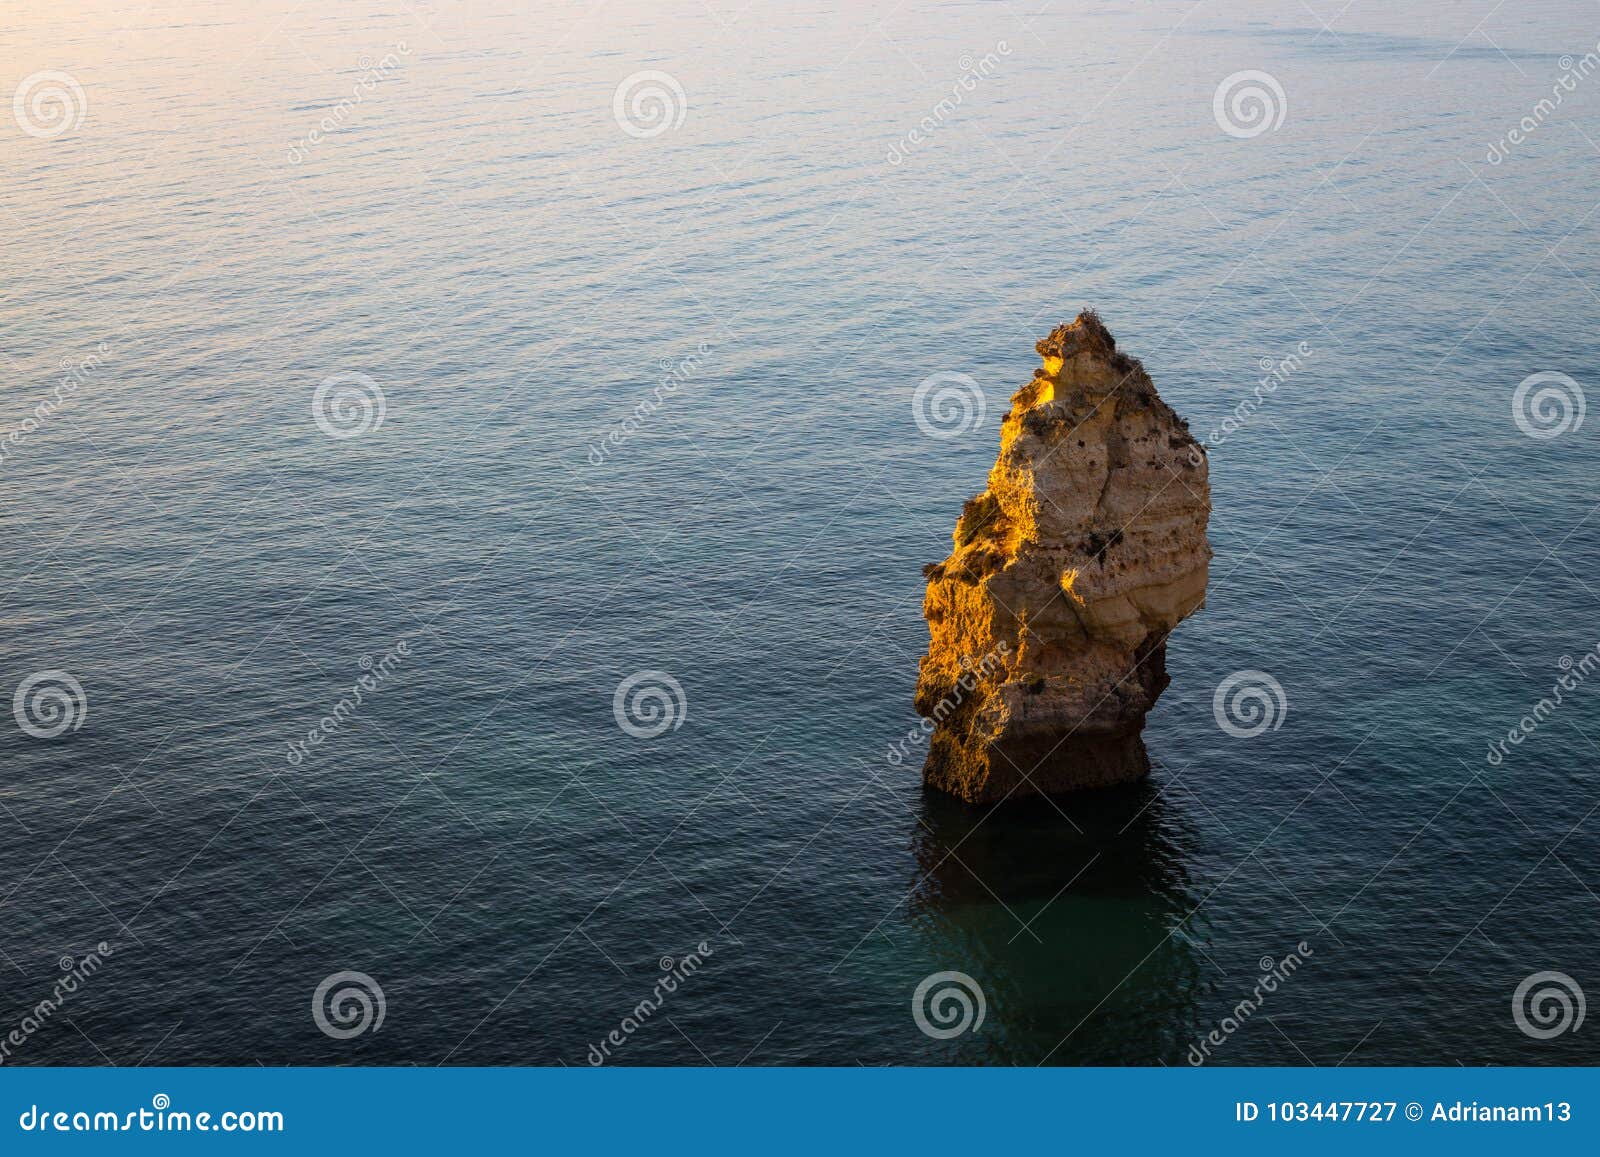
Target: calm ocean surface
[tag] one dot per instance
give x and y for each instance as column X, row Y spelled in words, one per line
column 479, row 237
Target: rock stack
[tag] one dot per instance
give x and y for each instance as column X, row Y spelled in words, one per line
column 1048, row 623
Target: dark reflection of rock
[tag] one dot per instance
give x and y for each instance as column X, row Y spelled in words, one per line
column 1103, row 892
column 1126, row 842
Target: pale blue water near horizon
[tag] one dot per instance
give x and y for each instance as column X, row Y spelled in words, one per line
column 480, row 237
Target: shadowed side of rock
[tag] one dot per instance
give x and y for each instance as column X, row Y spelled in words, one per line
column 1048, row 623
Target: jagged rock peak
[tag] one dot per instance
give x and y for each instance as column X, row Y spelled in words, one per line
column 1087, row 334
column 1048, row 622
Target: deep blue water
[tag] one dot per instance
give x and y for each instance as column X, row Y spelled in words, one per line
column 480, row 238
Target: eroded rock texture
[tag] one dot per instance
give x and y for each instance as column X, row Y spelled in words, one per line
column 1049, row 620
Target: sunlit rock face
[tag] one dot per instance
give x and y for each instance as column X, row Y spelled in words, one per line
column 1048, row 623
